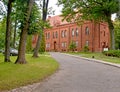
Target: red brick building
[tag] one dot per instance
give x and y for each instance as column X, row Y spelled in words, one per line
column 94, row 35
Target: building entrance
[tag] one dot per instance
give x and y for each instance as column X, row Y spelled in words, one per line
column 55, row 46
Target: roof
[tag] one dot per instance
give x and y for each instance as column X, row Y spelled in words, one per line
column 56, row 20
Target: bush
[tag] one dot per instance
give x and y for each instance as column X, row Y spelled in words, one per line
column 114, row 53
column 72, row 46
column 86, row 49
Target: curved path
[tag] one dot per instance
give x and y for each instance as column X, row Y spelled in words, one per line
column 78, row 75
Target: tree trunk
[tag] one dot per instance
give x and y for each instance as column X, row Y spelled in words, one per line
column 36, row 50
column 8, row 32
column 14, row 38
column 44, row 15
column 23, row 37
column 112, row 38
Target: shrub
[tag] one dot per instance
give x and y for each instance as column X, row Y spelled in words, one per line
column 72, row 46
column 114, row 53
column 86, row 48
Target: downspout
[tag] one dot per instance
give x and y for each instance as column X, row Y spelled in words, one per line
column 99, row 36
column 81, row 36
column 93, row 29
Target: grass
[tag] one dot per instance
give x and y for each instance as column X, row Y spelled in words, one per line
column 16, row 75
column 98, row 56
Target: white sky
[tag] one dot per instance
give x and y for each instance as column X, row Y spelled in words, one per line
column 52, row 3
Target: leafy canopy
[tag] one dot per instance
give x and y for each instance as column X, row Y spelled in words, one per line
column 80, row 10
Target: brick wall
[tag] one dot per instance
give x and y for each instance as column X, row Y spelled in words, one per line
column 58, row 38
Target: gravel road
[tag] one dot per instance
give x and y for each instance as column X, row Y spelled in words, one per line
column 78, row 75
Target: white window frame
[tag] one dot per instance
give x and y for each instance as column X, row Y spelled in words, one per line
column 73, row 32
column 87, row 43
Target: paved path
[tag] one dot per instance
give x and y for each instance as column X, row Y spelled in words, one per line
column 79, row 75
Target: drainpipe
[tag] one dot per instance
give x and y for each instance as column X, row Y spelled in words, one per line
column 99, row 36
column 81, row 36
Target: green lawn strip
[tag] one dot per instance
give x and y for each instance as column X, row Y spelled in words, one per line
column 98, row 56
column 16, row 75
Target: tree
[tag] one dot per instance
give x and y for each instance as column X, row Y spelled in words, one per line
column 97, row 10
column 2, row 33
column 44, row 15
column 23, row 37
column 72, row 46
column 42, row 44
column 117, row 33
column 8, row 32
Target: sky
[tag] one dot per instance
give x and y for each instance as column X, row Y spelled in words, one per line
column 52, row 3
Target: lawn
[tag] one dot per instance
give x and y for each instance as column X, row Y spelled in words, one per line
column 98, row 56
column 16, row 75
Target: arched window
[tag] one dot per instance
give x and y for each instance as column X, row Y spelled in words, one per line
column 87, row 43
column 62, row 34
column 87, row 31
column 77, row 32
column 65, row 33
column 46, row 35
column 53, row 35
column 73, row 33
column 56, row 34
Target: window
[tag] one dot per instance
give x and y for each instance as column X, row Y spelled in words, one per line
column 48, row 35
column 64, row 44
column 76, row 31
column 56, row 34
column 65, row 33
column 76, row 43
column 62, row 34
column 48, row 45
column 73, row 33
column 87, row 43
column 87, row 31
column 104, row 33
column 53, row 35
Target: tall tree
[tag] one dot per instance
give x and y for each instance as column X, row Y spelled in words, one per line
column 23, row 37
column 44, row 15
column 8, row 32
column 97, row 10
column 2, row 33
column 117, row 33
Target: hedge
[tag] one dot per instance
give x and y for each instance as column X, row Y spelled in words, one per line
column 114, row 53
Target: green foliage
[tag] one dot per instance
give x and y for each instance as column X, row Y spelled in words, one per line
column 99, row 56
column 2, row 33
column 42, row 44
column 15, row 75
column 79, row 10
column 29, row 44
column 18, row 12
column 86, row 49
column 114, row 53
column 35, row 20
column 72, row 46
column 117, row 33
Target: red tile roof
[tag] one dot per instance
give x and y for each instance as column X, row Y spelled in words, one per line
column 56, row 20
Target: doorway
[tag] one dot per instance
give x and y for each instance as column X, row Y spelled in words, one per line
column 55, row 46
